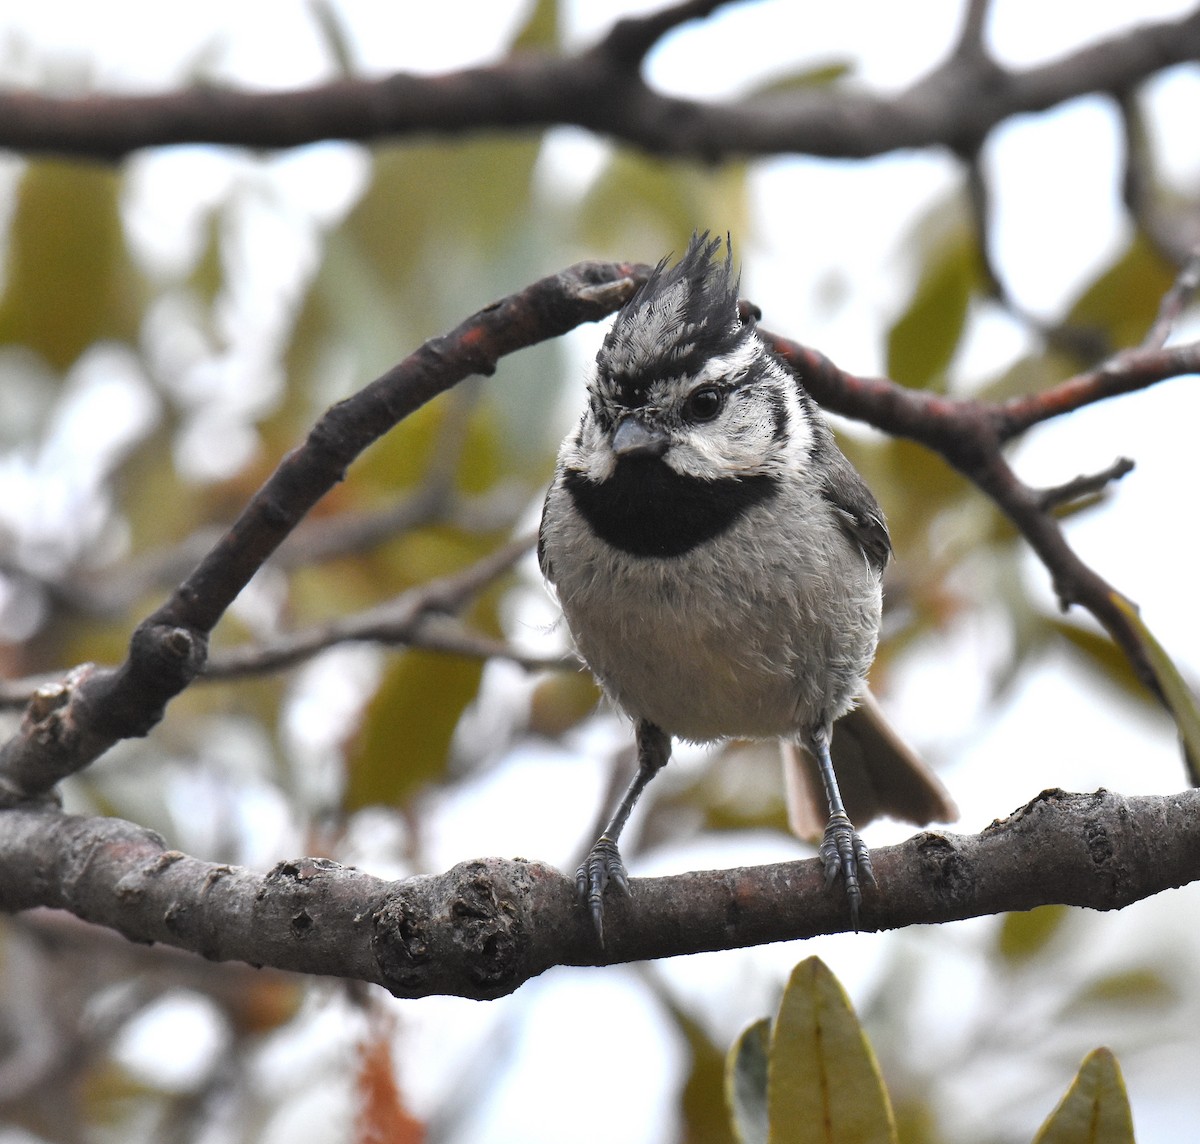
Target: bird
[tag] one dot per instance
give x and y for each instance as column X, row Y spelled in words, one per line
column 718, row 561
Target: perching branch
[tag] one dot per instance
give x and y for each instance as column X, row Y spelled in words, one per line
column 601, row 89
column 486, row 926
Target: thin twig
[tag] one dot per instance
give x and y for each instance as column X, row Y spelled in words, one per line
column 1085, row 485
column 404, row 621
column 1174, row 302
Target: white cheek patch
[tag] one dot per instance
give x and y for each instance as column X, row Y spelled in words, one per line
column 729, row 368
column 743, row 442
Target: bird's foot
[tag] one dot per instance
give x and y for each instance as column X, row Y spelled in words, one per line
column 844, row 852
column 602, row 865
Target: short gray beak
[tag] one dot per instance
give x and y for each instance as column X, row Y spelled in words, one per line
column 633, row 439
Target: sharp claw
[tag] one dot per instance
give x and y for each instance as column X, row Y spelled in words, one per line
column 844, row 852
column 601, row 866
column 597, row 906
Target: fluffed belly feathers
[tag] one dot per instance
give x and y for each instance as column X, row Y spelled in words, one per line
column 731, row 639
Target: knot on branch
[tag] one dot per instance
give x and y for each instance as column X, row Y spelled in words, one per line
column 465, row 932
column 163, row 660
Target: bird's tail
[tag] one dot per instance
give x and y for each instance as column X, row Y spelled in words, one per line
column 878, row 774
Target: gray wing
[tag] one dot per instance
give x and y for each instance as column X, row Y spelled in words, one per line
column 856, row 508
column 542, row 556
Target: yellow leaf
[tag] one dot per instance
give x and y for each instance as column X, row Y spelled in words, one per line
column 823, row 1083
column 1176, row 692
column 1024, row 935
column 1095, row 1109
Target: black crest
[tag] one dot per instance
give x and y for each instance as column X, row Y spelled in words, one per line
column 682, row 316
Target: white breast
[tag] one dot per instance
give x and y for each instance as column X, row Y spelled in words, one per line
column 738, row 638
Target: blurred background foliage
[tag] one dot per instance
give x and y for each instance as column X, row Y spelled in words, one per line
column 147, row 387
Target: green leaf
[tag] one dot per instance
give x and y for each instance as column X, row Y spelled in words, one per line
column 1099, row 653
column 702, row 1108
column 823, row 1083
column 644, row 207
column 68, row 280
column 1177, row 694
column 540, row 30
column 817, row 76
column 746, row 1083
column 1139, row 990
column 1024, row 935
column 1121, row 304
column 405, row 740
column 561, row 701
column 922, row 342
column 1095, row 1109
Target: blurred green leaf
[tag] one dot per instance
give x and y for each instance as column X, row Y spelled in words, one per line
column 1121, row 304
column 1029, row 375
column 208, row 275
column 737, row 788
column 746, row 1083
column 68, row 280
column 1095, row 1109
column 436, row 215
column 561, row 701
column 1024, row 935
column 1176, row 692
column 824, row 1085
column 405, row 739
column 432, row 239
column 1098, row 652
column 922, row 341
column 705, row 1119
column 916, row 1122
column 1141, row 989
column 806, row 79
column 335, row 35
column 916, row 486
column 645, row 208
column 540, row 30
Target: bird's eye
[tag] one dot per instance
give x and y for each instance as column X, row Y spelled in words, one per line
column 703, row 404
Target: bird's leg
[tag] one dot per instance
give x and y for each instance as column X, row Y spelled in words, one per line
column 842, row 850
column 603, row 863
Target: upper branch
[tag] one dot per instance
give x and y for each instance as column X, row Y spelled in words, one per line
column 71, row 723
column 956, row 104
